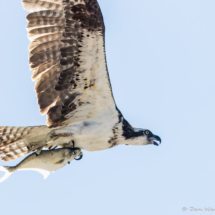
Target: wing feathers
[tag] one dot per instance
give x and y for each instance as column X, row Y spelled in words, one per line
column 47, row 99
column 10, row 133
column 47, row 79
column 44, row 57
column 40, row 70
column 61, row 65
column 44, row 22
column 35, row 5
column 46, row 30
column 51, row 45
column 17, row 141
column 44, row 39
column 44, row 14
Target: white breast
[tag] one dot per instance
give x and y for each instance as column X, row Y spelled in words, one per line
column 94, row 133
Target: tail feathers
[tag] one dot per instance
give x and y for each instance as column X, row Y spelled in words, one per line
column 8, row 171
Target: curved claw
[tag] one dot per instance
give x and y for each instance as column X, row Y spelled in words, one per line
column 78, row 159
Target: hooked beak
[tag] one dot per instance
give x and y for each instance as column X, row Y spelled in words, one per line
column 155, row 140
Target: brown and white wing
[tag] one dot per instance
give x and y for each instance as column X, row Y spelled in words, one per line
column 67, row 57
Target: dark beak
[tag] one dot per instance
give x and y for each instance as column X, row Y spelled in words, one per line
column 156, row 140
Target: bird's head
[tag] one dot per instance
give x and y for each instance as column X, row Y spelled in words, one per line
column 141, row 136
column 150, row 138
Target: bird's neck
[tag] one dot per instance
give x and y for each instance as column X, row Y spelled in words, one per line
column 131, row 135
column 137, row 141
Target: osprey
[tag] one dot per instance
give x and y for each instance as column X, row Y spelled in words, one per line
column 67, row 58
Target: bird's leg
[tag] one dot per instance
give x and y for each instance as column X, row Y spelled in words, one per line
column 71, row 144
column 54, row 135
column 60, row 133
column 38, row 151
column 35, row 146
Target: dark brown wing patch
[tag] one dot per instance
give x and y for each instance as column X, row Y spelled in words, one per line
column 89, row 15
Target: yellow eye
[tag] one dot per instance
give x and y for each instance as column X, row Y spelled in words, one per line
column 147, row 132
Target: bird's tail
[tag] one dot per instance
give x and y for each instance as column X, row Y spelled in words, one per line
column 18, row 141
column 8, row 171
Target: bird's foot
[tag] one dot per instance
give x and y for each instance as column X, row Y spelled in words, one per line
column 51, row 145
column 80, row 156
column 38, row 151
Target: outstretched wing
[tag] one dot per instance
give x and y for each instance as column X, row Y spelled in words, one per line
column 67, row 57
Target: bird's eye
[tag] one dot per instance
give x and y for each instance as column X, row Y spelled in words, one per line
column 147, row 132
column 74, row 153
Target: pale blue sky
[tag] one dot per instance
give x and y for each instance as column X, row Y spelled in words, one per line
column 161, row 56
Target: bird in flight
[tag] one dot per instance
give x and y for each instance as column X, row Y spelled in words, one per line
column 67, row 58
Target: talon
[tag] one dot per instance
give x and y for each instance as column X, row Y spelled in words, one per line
column 53, row 147
column 78, row 159
column 52, row 135
column 81, row 156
